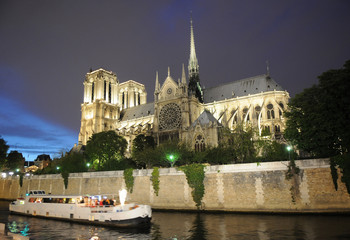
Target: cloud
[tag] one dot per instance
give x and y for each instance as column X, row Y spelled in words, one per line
column 30, row 134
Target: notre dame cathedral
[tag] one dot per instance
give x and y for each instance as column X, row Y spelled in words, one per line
column 181, row 109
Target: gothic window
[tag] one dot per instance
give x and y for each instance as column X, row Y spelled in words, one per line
column 170, row 117
column 105, row 90
column 110, row 93
column 138, row 99
column 199, row 144
column 92, row 92
column 257, row 112
column 270, row 112
column 123, row 99
column 277, row 128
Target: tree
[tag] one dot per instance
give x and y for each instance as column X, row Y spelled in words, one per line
column 73, row 162
column 105, row 150
column 143, row 151
column 317, row 120
column 240, row 143
column 3, row 152
column 15, row 160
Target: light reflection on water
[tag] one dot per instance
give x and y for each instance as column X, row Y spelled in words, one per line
column 193, row 226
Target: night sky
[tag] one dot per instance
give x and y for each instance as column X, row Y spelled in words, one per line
column 47, row 47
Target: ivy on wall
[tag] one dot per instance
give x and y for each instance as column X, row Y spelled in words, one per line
column 65, row 176
column 21, row 179
column 129, row 179
column 195, row 179
column 292, row 174
column 155, row 180
column 343, row 162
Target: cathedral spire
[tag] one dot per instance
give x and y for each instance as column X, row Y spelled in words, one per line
column 193, row 67
column 194, row 86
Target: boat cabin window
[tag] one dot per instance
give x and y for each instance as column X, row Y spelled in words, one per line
column 37, row 192
column 60, row 200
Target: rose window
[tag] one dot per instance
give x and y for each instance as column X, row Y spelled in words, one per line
column 170, row 117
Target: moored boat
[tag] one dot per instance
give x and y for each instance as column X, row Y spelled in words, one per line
column 88, row 209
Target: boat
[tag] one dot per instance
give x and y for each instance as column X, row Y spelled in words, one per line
column 96, row 210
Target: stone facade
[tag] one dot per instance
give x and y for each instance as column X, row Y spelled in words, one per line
column 236, row 187
column 181, row 109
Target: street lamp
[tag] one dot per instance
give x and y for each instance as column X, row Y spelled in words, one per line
column 172, row 159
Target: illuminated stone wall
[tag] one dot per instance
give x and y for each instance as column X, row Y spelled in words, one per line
column 238, row 187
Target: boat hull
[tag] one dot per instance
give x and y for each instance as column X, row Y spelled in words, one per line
column 124, row 216
column 139, row 222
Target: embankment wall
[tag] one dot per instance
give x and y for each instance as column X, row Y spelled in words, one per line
column 237, row 187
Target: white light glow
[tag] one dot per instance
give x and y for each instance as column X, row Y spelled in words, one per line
column 122, row 196
column 3, row 175
column 10, row 173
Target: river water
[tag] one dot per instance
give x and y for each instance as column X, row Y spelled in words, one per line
column 179, row 225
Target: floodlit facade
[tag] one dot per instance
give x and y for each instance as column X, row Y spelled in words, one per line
column 181, row 109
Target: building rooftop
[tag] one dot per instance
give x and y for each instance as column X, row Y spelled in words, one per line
column 240, row 88
column 140, row 111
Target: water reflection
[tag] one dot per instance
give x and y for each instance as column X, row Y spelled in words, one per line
column 192, row 226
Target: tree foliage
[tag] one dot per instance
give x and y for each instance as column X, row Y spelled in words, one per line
column 15, row 160
column 317, row 120
column 240, row 143
column 3, row 152
column 143, row 151
column 105, row 150
column 73, row 162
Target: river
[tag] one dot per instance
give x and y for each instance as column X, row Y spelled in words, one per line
column 180, row 225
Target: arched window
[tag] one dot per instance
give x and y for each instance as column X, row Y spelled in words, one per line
column 92, row 92
column 270, row 111
column 257, row 112
column 110, row 93
column 199, row 144
column 105, row 90
column 277, row 128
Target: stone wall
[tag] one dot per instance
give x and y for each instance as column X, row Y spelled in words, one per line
column 237, row 187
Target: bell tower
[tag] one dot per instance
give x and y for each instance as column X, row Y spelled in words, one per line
column 100, row 109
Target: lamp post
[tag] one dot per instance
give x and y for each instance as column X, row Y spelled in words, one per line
column 172, row 159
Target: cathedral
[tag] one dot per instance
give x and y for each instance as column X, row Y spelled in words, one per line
column 182, row 109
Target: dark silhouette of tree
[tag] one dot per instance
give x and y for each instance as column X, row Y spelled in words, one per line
column 318, row 117
column 3, row 152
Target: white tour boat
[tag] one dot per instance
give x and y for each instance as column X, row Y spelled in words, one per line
column 89, row 209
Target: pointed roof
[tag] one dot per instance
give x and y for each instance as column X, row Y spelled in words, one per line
column 192, row 62
column 205, row 118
